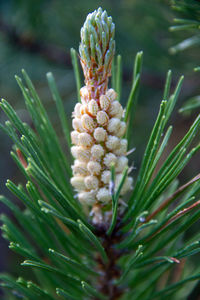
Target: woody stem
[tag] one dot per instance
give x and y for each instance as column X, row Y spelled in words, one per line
column 111, row 271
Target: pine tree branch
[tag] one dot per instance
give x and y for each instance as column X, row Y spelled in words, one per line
column 172, row 197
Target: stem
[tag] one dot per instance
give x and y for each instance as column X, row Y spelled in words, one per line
column 110, row 271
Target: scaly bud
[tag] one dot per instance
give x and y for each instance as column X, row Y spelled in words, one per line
column 87, row 122
column 78, row 182
column 91, row 182
column 97, row 151
column 100, row 134
column 104, row 102
column 93, row 107
column 85, row 139
column 94, row 167
column 75, row 137
column 102, row 118
column 103, row 195
column 97, row 50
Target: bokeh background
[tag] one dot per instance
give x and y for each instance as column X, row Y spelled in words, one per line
column 37, row 35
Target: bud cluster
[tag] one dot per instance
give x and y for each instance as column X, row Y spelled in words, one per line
column 97, row 138
column 97, row 144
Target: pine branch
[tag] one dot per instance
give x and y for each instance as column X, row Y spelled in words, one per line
column 86, row 240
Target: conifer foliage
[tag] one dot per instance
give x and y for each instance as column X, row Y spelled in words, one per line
column 138, row 251
column 188, row 20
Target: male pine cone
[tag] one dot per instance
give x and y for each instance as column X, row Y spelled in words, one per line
column 97, row 122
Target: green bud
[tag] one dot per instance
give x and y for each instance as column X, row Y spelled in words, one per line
column 97, row 40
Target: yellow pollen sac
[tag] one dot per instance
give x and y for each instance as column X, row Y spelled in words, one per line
column 97, row 151
column 85, row 139
column 77, row 108
column 104, row 102
column 122, row 129
column 87, row 197
column 91, row 182
column 113, row 125
column 93, row 107
column 106, row 177
column 100, row 134
column 103, row 195
column 80, row 168
column 122, row 150
column 102, row 118
column 122, row 162
column 78, row 182
column 84, row 94
column 82, row 154
column 94, row 167
column 115, row 110
column 74, row 137
column 109, row 159
column 88, row 123
column 77, row 125
column 127, row 186
column 112, row 142
column 74, row 151
column 111, row 94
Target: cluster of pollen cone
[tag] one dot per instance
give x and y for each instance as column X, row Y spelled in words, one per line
column 98, row 134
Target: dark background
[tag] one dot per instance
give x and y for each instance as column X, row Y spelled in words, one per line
column 37, row 35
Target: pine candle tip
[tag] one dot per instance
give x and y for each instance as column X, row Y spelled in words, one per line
column 97, row 48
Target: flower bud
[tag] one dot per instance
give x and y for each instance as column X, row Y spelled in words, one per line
column 84, row 94
column 93, row 107
column 122, row 149
column 113, row 125
column 112, row 142
column 77, row 125
column 122, row 130
column 78, row 182
column 115, row 110
column 79, row 168
column 100, row 134
column 103, row 195
column 97, row 151
column 104, row 102
column 122, row 162
column 111, row 94
column 94, row 167
column 87, row 198
column 77, row 108
column 126, row 186
column 91, row 182
column 102, row 118
column 80, row 153
column 87, row 123
column 109, row 159
column 74, row 137
column 85, row 139
column 106, row 177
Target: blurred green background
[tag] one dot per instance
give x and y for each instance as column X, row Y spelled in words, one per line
column 37, row 35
